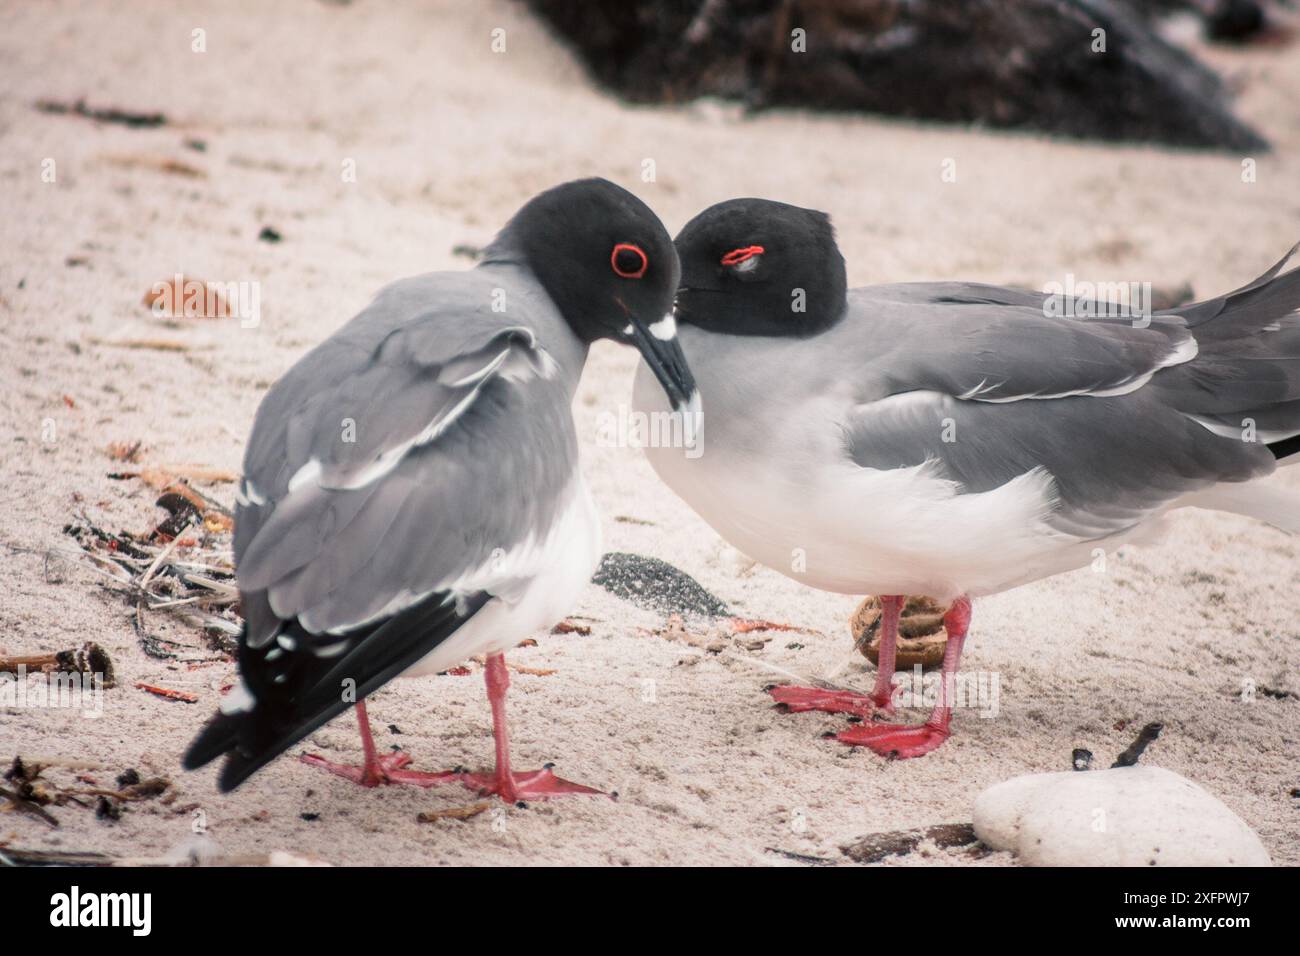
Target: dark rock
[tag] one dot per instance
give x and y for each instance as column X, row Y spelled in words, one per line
column 656, row 586
column 1016, row 64
column 128, row 778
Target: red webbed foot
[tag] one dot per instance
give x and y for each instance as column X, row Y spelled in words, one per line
column 899, row 741
column 384, row 770
column 797, row 700
column 528, row 785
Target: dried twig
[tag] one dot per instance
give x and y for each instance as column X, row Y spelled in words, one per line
column 168, row 694
column 23, row 805
column 1134, row 750
column 31, row 766
column 90, row 658
column 746, row 625
column 455, row 813
column 802, row 857
column 144, row 790
column 185, row 574
column 131, row 118
column 533, row 671
column 163, row 475
column 12, row 856
column 877, row 846
column 163, row 554
column 157, row 345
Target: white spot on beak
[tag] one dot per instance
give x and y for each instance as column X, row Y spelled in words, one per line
column 749, row 264
column 665, row 328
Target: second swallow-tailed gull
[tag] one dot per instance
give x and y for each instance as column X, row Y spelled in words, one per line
column 954, row 439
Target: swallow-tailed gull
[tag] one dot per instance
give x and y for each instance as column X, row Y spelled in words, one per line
column 954, row 439
column 411, row 493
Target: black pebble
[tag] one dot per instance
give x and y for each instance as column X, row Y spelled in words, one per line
column 128, row 778
column 655, row 586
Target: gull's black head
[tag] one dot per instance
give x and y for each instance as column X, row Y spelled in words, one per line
column 758, row 267
column 609, row 265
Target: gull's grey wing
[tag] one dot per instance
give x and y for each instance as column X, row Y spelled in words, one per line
column 1112, row 460
column 983, row 383
column 1224, row 360
column 399, row 455
column 393, row 481
column 988, row 344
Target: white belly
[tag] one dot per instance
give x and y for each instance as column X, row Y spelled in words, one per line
column 536, row 585
column 788, row 497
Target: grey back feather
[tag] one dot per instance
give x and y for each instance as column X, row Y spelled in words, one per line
column 1118, row 414
column 983, row 383
column 440, row 432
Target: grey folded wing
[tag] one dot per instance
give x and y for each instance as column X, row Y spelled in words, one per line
column 396, row 458
column 986, row 385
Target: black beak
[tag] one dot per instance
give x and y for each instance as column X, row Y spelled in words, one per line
column 665, row 358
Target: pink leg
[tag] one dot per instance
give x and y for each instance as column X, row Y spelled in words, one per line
column 512, row 787
column 524, row 785
column 905, row 741
column 375, row 770
column 891, row 608
column 800, row 699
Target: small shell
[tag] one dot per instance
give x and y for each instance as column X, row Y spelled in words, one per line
column 921, row 634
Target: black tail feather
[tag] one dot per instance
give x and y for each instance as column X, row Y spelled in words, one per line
column 302, row 691
column 1285, row 448
column 216, row 737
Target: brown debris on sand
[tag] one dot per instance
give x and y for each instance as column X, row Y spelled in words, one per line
column 89, row 659
column 32, row 792
column 877, row 846
column 130, row 118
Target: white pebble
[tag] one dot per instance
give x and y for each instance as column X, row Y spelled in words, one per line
column 1125, row 816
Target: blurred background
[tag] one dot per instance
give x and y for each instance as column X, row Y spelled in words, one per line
column 1110, row 69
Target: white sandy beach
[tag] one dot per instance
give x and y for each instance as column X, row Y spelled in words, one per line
column 448, row 139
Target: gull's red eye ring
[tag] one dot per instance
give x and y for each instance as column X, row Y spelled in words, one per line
column 736, row 256
column 628, row 261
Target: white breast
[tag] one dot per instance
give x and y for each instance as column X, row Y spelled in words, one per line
column 536, row 584
column 787, row 495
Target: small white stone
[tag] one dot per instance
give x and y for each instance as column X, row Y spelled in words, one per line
column 1124, row 816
